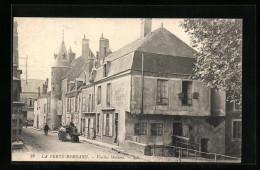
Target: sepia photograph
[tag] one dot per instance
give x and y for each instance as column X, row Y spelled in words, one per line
column 126, row 89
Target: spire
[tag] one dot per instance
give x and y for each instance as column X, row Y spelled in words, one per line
column 84, row 36
column 162, row 24
column 101, row 35
column 63, row 35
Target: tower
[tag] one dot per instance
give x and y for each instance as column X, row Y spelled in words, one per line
column 59, row 69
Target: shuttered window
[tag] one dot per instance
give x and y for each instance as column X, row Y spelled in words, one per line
column 187, row 93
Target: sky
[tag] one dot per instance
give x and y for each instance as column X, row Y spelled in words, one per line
column 40, row 38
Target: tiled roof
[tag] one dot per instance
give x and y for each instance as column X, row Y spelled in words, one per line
column 32, row 85
column 160, row 41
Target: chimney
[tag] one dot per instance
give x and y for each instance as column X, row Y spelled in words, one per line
column 39, row 93
column 85, row 47
column 146, row 27
column 47, row 82
column 44, row 88
column 72, row 55
column 103, row 47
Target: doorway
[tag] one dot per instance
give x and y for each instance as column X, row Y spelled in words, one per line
column 176, row 131
column 88, row 128
column 116, row 127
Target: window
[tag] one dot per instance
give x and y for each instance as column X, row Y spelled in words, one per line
column 20, row 121
column 156, row 129
column 108, row 94
column 187, row 93
column 137, row 128
column 84, row 102
column 68, row 103
column 162, row 92
column 14, row 132
column 140, row 128
column 76, row 104
column 237, row 129
column 107, row 130
column 99, row 95
column 72, row 107
column 105, row 70
column 89, row 103
column 98, row 123
column 20, row 132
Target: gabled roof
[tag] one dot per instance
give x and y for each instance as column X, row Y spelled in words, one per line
column 160, row 41
column 32, row 85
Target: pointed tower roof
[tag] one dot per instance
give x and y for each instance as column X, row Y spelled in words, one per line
column 62, row 59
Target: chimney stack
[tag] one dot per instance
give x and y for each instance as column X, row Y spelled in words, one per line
column 103, row 47
column 72, row 54
column 85, row 48
column 146, row 27
column 39, row 93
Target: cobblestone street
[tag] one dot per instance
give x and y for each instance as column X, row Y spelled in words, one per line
column 48, row 148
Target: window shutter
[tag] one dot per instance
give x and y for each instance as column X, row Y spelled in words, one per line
column 110, row 124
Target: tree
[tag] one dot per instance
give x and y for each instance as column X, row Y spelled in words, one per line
column 219, row 53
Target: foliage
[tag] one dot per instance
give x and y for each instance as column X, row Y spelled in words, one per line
column 219, row 55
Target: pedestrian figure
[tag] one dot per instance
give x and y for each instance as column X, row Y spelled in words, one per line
column 26, row 123
column 46, row 129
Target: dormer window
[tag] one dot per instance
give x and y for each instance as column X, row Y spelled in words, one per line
column 105, row 70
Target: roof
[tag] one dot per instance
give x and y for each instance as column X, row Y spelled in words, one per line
column 174, row 56
column 77, row 66
column 32, row 85
column 160, row 41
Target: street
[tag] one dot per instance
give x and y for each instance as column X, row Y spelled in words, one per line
column 48, row 148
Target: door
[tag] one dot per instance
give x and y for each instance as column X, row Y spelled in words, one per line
column 83, row 127
column 37, row 121
column 176, row 130
column 116, row 127
column 204, row 146
column 88, row 128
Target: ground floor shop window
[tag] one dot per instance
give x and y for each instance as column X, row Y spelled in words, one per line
column 156, row 129
column 107, row 125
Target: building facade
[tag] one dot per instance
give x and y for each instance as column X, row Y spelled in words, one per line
column 17, row 104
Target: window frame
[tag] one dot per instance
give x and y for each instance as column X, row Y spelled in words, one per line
column 156, row 129
column 236, row 139
column 99, row 95
column 108, row 94
column 162, row 90
column 191, row 92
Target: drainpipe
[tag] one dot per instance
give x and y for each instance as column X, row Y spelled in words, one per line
column 142, row 84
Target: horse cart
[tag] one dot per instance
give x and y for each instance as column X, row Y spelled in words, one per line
column 68, row 133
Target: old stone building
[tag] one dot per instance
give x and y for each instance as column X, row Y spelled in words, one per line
column 17, row 104
column 29, row 95
column 141, row 96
